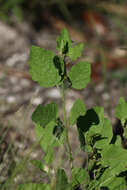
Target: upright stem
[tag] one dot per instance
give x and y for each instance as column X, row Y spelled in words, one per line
column 66, row 127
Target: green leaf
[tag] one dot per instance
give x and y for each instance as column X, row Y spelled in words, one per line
column 93, row 183
column 125, row 132
column 49, row 155
column 103, row 134
column 75, row 51
column 62, row 181
column 112, row 181
column 99, row 135
column 42, row 67
column 94, row 130
column 108, row 181
column 115, row 157
column 63, row 42
column 118, row 141
column 79, row 75
column 121, row 110
column 46, row 137
column 84, row 123
column 48, row 140
column 115, row 183
column 77, row 110
column 65, row 46
column 33, row 186
column 79, row 176
column 45, row 114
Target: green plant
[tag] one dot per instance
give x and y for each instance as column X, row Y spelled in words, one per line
column 105, row 159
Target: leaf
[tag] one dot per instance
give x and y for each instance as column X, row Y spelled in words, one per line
column 79, row 176
column 75, row 51
column 99, row 135
column 115, row 157
column 111, row 181
column 103, row 134
column 46, row 137
column 63, row 42
column 79, row 75
column 45, row 114
column 125, row 132
column 49, row 155
column 108, row 181
column 42, row 67
column 65, row 46
column 115, row 183
column 33, row 186
column 121, row 110
column 48, row 140
column 62, row 181
column 77, row 110
column 93, row 183
column 84, row 123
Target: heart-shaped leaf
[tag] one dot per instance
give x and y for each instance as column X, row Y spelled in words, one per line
column 80, row 75
column 45, row 114
column 42, row 67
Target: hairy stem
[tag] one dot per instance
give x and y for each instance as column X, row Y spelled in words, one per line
column 66, row 127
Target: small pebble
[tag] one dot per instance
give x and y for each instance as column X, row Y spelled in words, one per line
column 17, row 88
column 25, row 83
column 105, row 96
column 11, row 99
column 13, row 79
column 34, row 155
column 99, row 88
column 36, row 101
column 15, row 58
column 54, row 93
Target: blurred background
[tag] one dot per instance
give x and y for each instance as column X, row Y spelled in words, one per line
column 100, row 24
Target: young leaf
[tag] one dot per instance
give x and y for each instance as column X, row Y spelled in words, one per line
column 121, row 110
column 75, row 51
column 63, row 42
column 42, row 67
column 62, row 181
column 79, row 75
column 33, row 186
column 45, row 114
column 77, row 110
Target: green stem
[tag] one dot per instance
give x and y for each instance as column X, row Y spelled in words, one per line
column 66, row 127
